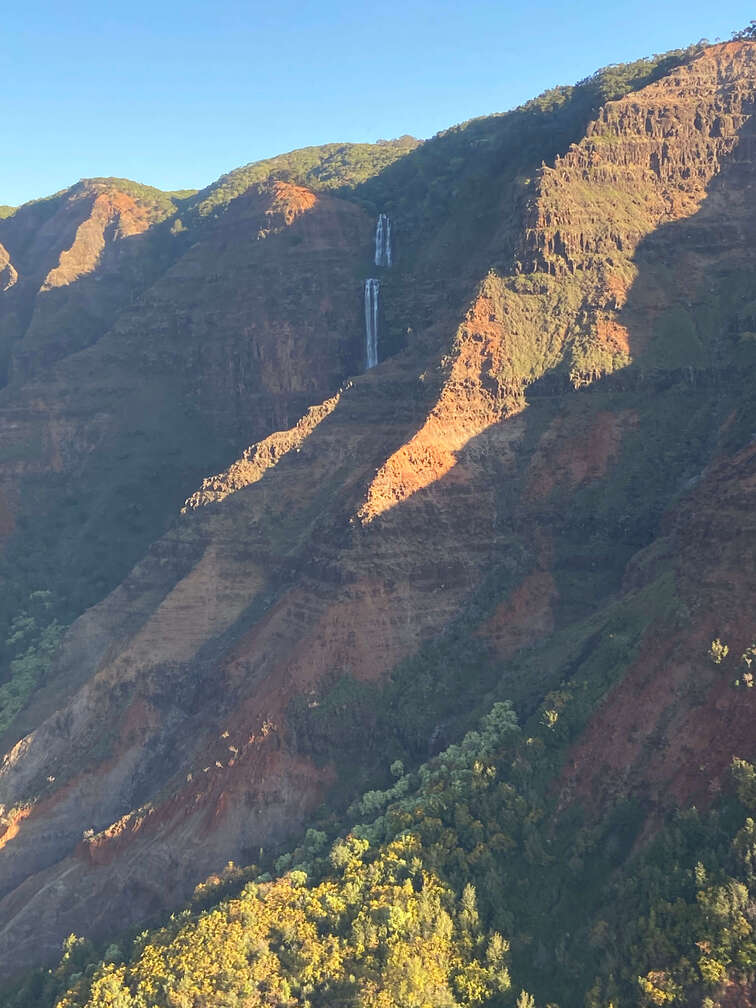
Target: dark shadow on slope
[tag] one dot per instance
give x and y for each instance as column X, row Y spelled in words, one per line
column 43, row 326
column 172, row 391
column 686, row 396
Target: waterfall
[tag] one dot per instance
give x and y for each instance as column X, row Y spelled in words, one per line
column 373, row 286
column 371, row 322
column 383, row 240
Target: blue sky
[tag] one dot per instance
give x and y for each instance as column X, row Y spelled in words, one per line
column 175, row 94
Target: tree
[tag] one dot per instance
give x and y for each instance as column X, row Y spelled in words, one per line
column 718, row 651
column 746, row 33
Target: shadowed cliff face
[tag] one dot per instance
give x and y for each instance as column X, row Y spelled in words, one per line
column 254, row 321
column 70, row 263
column 541, row 457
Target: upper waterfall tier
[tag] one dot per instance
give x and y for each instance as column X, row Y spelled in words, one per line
column 383, row 241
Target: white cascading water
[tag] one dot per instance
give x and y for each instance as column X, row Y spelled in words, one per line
column 371, row 322
column 383, row 240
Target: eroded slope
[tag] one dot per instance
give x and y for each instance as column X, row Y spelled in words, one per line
column 491, row 512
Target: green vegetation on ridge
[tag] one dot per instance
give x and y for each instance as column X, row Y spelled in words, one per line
column 33, row 640
column 160, row 203
column 330, row 167
column 450, row 167
column 419, row 907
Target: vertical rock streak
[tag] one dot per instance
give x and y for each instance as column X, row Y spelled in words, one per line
column 372, row 288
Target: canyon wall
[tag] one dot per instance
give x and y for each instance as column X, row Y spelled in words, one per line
column 557, row 454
